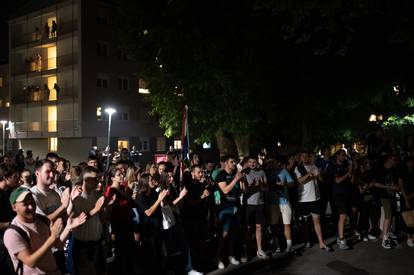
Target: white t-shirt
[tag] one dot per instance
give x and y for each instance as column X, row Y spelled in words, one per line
column 38, row 233
column 309, row 191
column 46, row 201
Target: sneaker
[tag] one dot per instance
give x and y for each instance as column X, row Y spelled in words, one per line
column 410, row 243
column 386, row 244
column 392, row 236
column 194, row 272
column 342, row 244
column 261, row 254
column 371, row 237
column 243, row 260
column 307, row 244
column 289, row 250
column 365, row 239
column 356, row 233
column 233, row 261
column 393, row 241
column 221, row 265
column 327, row 248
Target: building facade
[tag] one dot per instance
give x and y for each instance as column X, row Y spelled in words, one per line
column 65, row 68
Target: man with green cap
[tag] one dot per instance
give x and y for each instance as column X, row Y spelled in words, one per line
column 36, row 255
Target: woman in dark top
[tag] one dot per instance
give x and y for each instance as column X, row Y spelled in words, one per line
column 122, row 221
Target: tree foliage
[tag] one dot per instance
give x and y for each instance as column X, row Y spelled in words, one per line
column 303, row 72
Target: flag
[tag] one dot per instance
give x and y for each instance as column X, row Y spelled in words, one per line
column 185, row 139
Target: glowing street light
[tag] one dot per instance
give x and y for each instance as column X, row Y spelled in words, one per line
column 110, row 112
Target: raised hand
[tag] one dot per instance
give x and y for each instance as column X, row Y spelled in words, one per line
column 56, row 228
column 75, row 222
column 65, row 198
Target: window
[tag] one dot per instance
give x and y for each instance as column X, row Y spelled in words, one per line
column 160, row 144
column 122, row 143
column 34, row 126
column 53, row 144
column 1, row 82
column 101, row 49
column 177, row 144
column 52, row 118
column 51, row 58
column 102, row 83
column 145, row 144
column 102, row 17
column 123, row 83
column 98, row 113
column 51, row 88
column 125, row 116
column 142, row 87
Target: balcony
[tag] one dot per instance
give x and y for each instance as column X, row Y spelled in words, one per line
column 33, row 95
column 37, row 129
column 38, row 64
column 41, row 37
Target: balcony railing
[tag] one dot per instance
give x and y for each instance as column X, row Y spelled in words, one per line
column 39, row 64
column 40, row 35
column 44, row 96
column 33, row 129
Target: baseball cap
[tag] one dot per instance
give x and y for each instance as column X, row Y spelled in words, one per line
column 19, row 195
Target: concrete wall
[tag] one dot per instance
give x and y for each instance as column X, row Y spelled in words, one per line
column 74, row 149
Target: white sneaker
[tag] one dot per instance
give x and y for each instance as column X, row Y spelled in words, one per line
column 371, row 237
column 410, row 243
column 243, row 260
column 233, row 261
column 194, row 272
column 221, row 265
column 365, row 239
column 261, row 254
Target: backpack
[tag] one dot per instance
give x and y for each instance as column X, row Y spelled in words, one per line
column 23, row 234
column 8, row 260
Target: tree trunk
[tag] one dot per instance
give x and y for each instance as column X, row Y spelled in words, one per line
column 243, row 144
column 225, row 143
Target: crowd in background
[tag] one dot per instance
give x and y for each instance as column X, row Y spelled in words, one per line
column 196, row 216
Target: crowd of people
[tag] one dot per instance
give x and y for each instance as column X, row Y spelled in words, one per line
column 192, row 217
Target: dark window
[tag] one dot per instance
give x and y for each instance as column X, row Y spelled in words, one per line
column 101, row 49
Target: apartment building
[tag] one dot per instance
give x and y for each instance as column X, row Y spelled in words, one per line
column 65, row 68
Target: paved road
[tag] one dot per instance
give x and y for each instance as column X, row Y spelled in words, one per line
column 365, row 258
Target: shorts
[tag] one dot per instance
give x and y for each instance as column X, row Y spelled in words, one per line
column 286, row 211
column 387, row 204
column 342, row 203
column 309, row 208
column 228, row 218
column 272, row 214
column 255, row 214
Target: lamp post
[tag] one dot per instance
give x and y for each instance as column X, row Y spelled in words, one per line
column 110, row 112
column 3, row 122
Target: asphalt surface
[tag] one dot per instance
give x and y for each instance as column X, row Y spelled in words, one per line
column 364, row 258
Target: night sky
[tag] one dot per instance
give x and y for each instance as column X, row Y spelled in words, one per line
column 8, row 8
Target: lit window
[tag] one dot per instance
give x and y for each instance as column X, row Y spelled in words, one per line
column 7, row 104
column 53, row 144
column 1, row 82
column 177, row 144
column 99, row 113
column 51, row 22
column 51, row 58
column 142, row 87
column 1, row 102
column 51, row 92
column 52, row 118
column 160, row 144
column 34, row 126
column 122, row 143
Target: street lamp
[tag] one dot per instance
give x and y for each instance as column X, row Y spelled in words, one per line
column 110, row 112
column 3, row 122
